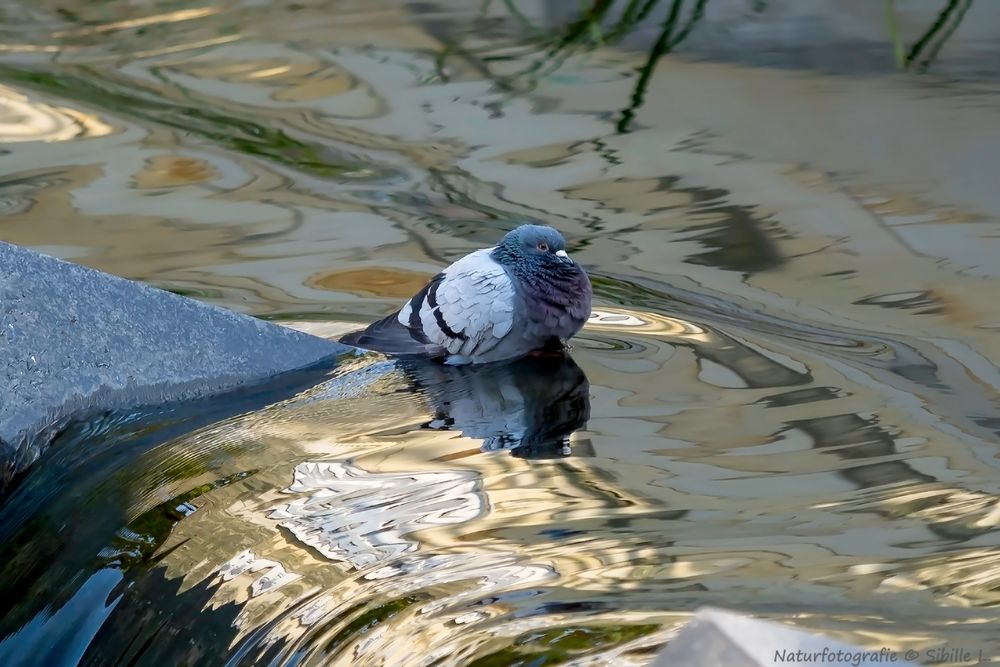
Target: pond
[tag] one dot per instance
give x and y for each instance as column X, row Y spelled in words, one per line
column 786, row 403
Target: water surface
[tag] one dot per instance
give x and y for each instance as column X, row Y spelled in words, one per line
column 785, row 404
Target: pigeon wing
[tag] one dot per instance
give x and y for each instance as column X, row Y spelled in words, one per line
column 467, row 309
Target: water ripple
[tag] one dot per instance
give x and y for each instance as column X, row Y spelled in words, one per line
column 786, row 400
column 343, row 515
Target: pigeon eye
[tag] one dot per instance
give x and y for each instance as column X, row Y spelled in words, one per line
column 543, row 246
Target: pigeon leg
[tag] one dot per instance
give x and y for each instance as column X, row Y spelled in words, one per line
column 553, row 347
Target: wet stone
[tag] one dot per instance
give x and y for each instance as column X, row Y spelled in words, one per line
column 75, row 339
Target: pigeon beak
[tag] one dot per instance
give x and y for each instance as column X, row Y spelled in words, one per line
column 561, row 254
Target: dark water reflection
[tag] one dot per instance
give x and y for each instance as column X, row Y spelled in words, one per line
column 530, row 407
column 786, row 403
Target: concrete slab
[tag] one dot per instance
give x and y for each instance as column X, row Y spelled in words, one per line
column 74, row 339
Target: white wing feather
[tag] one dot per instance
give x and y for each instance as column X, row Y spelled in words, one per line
column 469, row 310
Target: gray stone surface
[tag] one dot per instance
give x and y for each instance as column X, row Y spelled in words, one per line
column 715, row 637
column 74, row 339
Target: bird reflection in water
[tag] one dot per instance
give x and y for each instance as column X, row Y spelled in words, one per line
column 530, row 406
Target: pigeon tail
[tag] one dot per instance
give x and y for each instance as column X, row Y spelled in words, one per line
column 389, row 336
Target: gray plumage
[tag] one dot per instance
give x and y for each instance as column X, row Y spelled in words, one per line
column 492, row 305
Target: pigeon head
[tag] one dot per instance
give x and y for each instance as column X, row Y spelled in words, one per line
column 533, row 247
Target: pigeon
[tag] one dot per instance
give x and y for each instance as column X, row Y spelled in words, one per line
column 520, row 297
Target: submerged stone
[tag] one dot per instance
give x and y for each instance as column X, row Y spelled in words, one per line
column 718, row 637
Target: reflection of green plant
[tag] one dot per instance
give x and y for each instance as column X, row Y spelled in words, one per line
column 664, row 44
column 596, row 26
column 368, row 618
column 240, row 134
column 931, row 40
column 589, row 32
column 558, row 645
column 192, row 292
column 138, row 542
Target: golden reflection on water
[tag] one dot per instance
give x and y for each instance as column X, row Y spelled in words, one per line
column 378, row 282
column 23, row 119
column 645, row 324
column 153, row 19
column 790, row 374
